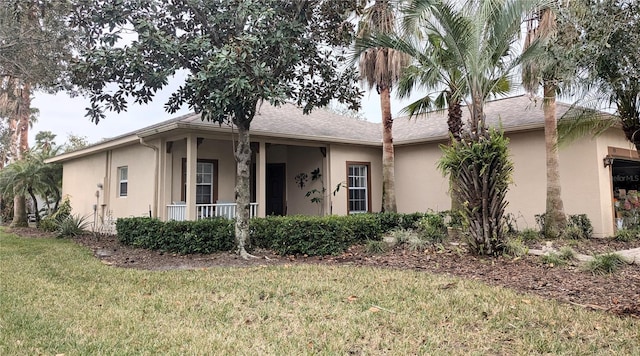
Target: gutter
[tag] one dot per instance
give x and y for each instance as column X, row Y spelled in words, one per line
column 154, row 212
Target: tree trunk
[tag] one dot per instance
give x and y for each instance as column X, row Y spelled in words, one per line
column 21, row 137
column 243, row 160
column 555, row 220
column 24, row 113
column 388, row 157
column 35, row 206
column 19, row 212
column 454, row 122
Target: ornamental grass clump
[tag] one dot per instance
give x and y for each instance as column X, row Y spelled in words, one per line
column 605, row 264
column 479, row 164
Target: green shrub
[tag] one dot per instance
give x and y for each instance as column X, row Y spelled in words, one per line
column 432, row 228
column 515, row 247
column 312, row 235
column 364, row 226
column 388, row 221
column 455, row 218
column 529, row 234
column 567, row 253
column 583, row 224
column 401, row 236
column 578, row 226
column 285, row 235
column 627, row 235
column 605, row 264
column 52, row 222
column 185, row 237
column 262, row 229
column 71, row 226
column 572, row 232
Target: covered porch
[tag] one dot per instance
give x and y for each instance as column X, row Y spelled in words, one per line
column 197, row 175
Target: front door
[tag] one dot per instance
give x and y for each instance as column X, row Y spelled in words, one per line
column 276, row 188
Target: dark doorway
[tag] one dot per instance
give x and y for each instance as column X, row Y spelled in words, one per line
column 276, row 189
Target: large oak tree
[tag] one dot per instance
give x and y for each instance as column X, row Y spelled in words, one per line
column 238, row 53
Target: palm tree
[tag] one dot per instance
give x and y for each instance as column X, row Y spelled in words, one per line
column 381, row 67
column 31, row 176
column 550, row 70
column 611, row 33
column 478, row 37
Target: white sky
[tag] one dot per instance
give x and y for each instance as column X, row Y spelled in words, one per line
column 63, row 115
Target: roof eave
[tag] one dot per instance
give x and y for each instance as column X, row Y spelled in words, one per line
column 97, row 148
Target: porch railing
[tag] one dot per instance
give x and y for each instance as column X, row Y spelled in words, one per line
column 178, row 212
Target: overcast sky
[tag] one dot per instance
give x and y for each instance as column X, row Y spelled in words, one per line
column 63, row 115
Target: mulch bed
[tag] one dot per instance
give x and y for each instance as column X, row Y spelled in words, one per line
column 618, row 293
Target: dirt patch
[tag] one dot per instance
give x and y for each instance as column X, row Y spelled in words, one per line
column 618, row 293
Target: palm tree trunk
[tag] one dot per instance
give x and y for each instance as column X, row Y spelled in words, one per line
column 388, row 157
column 454, row 122
column 19, row 212
column 555, row 220
column 24, row 113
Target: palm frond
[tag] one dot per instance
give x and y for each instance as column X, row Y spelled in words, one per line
column 581, row 122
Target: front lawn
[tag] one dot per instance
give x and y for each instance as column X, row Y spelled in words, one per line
column 56, row 298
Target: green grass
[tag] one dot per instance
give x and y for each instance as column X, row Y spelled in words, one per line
column 55, row 298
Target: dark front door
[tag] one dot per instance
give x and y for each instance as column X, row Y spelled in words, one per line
column 276, row 188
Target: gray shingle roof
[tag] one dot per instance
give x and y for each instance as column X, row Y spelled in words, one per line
column 513, row 113
column 288, row 119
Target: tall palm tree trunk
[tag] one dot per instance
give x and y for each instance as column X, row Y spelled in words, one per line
column 24, row 113
column 388, row 160
column 555, row 219
column 23, row 96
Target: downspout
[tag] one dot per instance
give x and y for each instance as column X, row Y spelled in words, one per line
column 154, row 204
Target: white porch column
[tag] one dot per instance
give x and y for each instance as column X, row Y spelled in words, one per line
column 261, row 179
column 166, row 179
column 192, row 160
column 326, row 179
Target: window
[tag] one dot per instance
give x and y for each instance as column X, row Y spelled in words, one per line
column 123, row 181
column 358, row 187
column 206, row 181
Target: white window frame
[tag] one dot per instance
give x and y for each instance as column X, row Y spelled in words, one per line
column 122, row 181
column 199, row 179
column 214, row 178
column 363, row 166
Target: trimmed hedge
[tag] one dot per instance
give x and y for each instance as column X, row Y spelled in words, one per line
column 185, row 237
column 286, row 235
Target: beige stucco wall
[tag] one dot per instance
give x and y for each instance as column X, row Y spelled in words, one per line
column 578, row 176
column 339, row 155
column 81, row 178
column 141, row 164
column 302, row 159
column 586, row 184
column 420, row 186
column 611, row 138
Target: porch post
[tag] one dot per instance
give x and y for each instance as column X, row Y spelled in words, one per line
column 165, row 180
column 192, row 159
column 326, row 179
column 261, row 181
